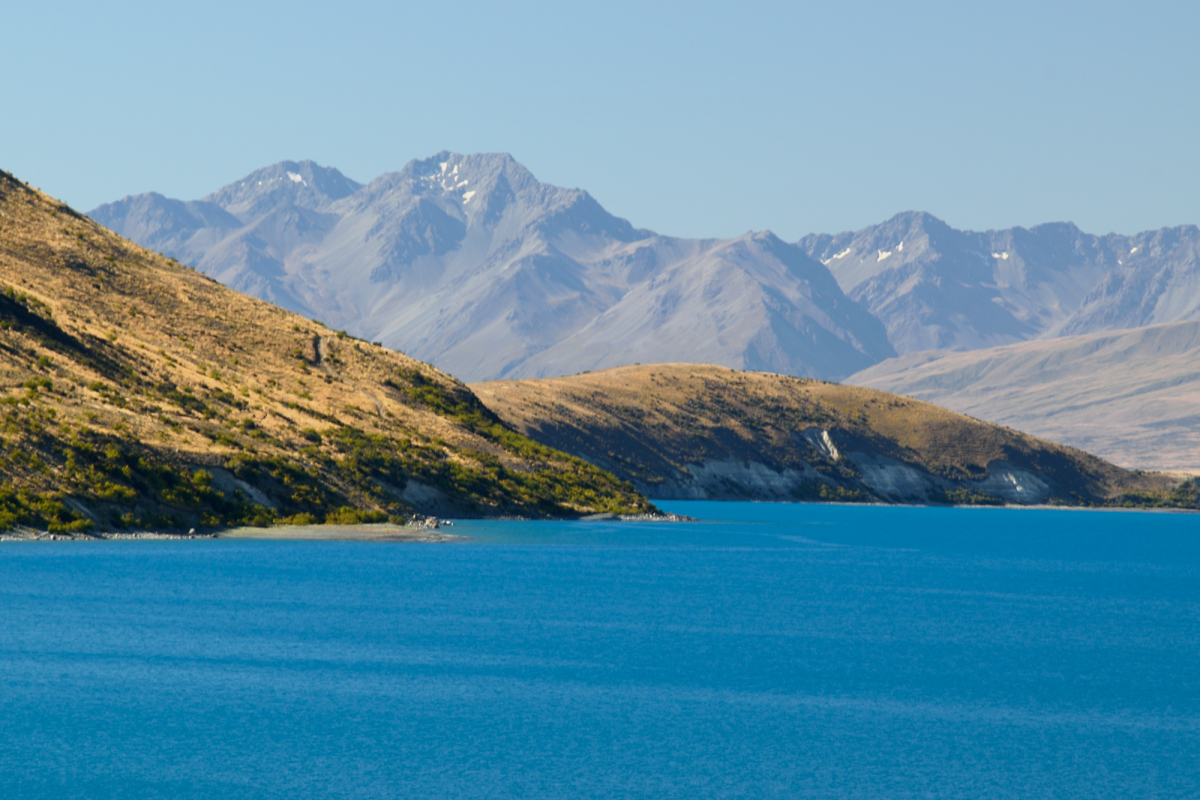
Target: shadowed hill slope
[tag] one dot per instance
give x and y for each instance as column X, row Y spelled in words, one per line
column 137, row 393
column 694, row 431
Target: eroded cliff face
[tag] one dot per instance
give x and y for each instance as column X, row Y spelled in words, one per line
column 863, row 477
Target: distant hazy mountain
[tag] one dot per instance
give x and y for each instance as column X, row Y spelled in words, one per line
column 473, row 264
column 935, row 287
column 1157, row 280
column 242, row 234
column 1132, row 397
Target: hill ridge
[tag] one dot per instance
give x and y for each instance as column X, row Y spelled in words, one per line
column 707, row 432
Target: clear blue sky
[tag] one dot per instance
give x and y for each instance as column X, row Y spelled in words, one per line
column 690, row 118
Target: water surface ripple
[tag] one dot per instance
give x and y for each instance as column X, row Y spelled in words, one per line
column 769, row 651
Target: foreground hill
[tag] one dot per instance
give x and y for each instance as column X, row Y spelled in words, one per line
column 1132, row 397
column 690, row 431
column 471, row 263
column 135, row 392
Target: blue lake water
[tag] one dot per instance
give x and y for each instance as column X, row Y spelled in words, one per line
column 769, row 651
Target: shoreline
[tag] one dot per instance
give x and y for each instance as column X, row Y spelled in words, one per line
column 426, row 533
column 1004, row 506
column 426, row 530
column 376, row 532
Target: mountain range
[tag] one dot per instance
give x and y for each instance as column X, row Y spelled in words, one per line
column 471, row 263
column 937, row 288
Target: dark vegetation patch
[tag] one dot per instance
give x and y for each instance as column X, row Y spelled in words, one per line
column 1185, row 496
column 26, row 315
column 103, row 480
column 557, row 483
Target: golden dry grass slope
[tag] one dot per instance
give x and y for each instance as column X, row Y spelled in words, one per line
column 693, row 431
column 136, row 393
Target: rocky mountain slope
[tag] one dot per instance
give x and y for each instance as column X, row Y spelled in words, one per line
column 691, row 431
column 935, row 287
column 471, row 263
column 239, row 233
column 136, row 392
column 1132, row 397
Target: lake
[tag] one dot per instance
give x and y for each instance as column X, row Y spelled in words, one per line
column 769, row 650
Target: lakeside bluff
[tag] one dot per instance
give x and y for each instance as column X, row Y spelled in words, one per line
column 692, row 431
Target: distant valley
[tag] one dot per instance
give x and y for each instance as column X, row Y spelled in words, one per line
column 1132, row 397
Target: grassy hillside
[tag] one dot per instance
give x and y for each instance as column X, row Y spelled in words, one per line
column 136, row 393
column 683, row 430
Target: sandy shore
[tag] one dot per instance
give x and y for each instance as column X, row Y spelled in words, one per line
column 382, row 532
